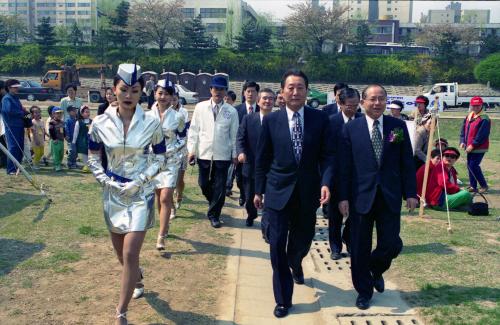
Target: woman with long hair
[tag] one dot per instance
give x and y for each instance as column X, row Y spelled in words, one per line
column 172, row 122
column 127, row 135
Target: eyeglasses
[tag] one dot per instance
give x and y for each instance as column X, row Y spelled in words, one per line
column 451, row 156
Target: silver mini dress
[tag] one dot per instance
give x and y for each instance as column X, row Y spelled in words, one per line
column 172, row 123
column 137, row 156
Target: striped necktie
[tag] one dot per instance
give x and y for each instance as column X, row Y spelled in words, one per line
column 377, row 141
column 297, row 135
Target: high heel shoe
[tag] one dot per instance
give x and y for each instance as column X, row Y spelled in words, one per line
column 178, row 204
column 172, row 214
column 160, row 242
column 139, row 286
column 119, row 316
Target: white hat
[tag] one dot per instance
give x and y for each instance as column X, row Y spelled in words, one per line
column 164, row 83
column 129, row 73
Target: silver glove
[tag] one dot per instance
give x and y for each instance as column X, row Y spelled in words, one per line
column 130, row 189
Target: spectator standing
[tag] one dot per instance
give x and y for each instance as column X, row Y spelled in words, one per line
column 230, row 97
column 70, row 100
column 150, row 91
column 69, row 129
column 474, row 139
column 57, row 136
column 110, row 97
column 3, row 157
column 396, row 107
column 422, row 141
column 421, row 102
column 13, row 118
column 80, row 136
column 37, row 136
column 332, row 109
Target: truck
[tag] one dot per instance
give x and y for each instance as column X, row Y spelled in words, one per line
column 449, row 94
column 59, row 79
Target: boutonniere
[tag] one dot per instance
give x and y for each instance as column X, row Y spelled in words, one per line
column 396, row 136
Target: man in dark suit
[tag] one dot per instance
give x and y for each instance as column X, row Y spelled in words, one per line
column 249, row 106
column 377, row 171
column 332, row 109
column 348, row 101
column 246, row 148
column 293, row 170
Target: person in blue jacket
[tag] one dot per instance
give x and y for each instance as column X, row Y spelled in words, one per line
column 12, row 115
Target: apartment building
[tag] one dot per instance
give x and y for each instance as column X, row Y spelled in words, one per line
column 373, row 10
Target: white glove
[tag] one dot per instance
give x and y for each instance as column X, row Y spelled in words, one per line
column 130, row 189
column 113, row 185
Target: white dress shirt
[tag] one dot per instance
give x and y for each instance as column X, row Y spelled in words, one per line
column 261, row 117
column 380, row 125
column 254, row 107
column 291, row 122
column 346, row 119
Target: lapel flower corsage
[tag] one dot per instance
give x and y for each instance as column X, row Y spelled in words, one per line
column 396, row 136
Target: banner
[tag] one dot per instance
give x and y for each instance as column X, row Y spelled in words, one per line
column 408, row 101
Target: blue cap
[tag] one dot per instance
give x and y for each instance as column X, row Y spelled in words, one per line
column 129, row 73
column 56, row 109
column 219, row 82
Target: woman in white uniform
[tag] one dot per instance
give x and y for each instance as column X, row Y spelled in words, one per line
column 172, row 122
column 127, row 135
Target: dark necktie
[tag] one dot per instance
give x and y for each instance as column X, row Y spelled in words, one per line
column 250, row 109
column 297, row 136
column 215, row 110
column 377, row 141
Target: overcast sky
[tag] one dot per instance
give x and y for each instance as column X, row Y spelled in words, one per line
column 279, row 8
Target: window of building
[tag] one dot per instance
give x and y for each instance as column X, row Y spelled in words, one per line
column 213, row 12
column 46, row 4
column 83, row 4
column 216, row 27
column 84, row 12
column 70, row 12
column 70, row 21
column 389, row 2
column 70, row 4
column 359, row 2
column 187, row 12
column 389, row 9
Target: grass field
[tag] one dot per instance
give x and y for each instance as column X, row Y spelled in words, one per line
column 57, row 265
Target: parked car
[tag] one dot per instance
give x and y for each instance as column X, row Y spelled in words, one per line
column 32, row 90
column 186, row 96
column 316, row 98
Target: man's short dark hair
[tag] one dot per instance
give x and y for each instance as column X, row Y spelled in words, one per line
column 346, row 93
column 339, row 86
column 295, row 73
column 70, row 86
column 267, row 90
column 231, row 94
column 71, row 108
column 363, row 94
column 251, row 84
column 435, row 153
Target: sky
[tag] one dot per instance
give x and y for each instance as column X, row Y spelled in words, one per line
column 279, row 8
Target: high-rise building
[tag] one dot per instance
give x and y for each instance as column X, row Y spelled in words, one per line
column 475, row 16
column 378, row 9
column 61, row 13
column 222, row 18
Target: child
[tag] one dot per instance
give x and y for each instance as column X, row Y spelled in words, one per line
column 69, row 129
column 47, row 135
column 37, row 136
column 56, row 130
column 80, row 141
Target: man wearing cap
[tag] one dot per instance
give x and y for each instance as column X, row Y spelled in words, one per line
column 421, row 102
column 474, row 139
column 377, row 171
column 12, row 114
column 442, row 184
column 396, row 107
column 212, row 142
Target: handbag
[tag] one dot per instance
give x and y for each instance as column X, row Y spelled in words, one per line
column 28, row 123
column 479, row 208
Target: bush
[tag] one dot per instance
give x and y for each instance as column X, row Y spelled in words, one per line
column 488, row 70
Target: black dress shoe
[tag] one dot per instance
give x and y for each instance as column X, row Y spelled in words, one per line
column 280, row 311
column 298, row 277
column 249, row 222
column 378, row 283
column 362, row 302
column 335, row 256
column 215, row 222
column 241, row 201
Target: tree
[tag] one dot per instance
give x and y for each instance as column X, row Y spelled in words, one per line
column 361, row 37
column 254, row 36
column 75, row 35
column 11, row 28
column 62, row 34
column 45, row 35
column 487, row 70
column 195, row 36
column 4, row 32
column 157, row 21
column 309, row 26
column 489, row 44
column 118, row 29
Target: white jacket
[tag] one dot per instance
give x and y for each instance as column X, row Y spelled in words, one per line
column 213, row 140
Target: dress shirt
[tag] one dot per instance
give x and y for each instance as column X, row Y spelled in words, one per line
column 347, row 119
column 254, row 106
column 380, row 125
column 291, row 122
column 261, row 117
column 213, row 105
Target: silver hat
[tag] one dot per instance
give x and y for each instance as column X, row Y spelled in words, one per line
column 129, row 73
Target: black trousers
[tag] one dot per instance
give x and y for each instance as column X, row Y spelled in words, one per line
column 249, row 185
column 335, row 233
column 3, row 157
column 237, row 173
column 366, row 264
column 212, row 180
column 290, row 232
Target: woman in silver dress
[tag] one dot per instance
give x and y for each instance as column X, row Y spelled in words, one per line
column 126, row 133
column 172, row 122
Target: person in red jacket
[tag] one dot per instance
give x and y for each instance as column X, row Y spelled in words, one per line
column 474, row 139
column 443, row 185
column 435, row 159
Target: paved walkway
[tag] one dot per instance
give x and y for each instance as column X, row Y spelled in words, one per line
column 326, row 298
